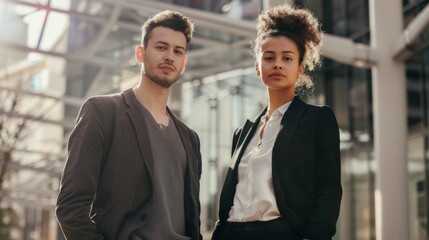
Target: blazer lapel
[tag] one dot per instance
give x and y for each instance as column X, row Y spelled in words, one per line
column 243, row 140
column 140, row 129
column 289, row 123
column 186, row 141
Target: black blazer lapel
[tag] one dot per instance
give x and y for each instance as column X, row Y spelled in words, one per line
column 289, row 123
column 244, row 138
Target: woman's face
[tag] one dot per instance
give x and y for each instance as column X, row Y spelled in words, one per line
column 278, row 64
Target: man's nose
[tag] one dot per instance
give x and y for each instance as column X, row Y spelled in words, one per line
column 169, row 57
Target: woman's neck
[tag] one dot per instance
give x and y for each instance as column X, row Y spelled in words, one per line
column 277, row 99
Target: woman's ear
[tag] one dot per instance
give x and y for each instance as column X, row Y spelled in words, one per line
column 257, row 69
column 139, row 53
column 301, row 69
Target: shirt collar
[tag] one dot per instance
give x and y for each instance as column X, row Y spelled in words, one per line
column 282, row 109
column 279, row 112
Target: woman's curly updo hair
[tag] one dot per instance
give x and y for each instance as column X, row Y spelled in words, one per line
column 301, row 26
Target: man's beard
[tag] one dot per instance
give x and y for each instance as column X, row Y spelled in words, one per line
column 162, row 81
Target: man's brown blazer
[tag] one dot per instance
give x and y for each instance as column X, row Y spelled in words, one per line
column 107, row 181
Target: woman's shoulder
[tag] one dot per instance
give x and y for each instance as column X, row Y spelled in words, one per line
column 321, row 112
column 319, row 108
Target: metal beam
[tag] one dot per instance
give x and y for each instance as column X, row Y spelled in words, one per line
column 42, row 31
column 193, row 74
column 95, row 82
column 216, row 50
column 63, row 123
column 345, row 51
column 52, row 171
column 67, row 56
column 20, row 69
column 38, row 6
column 44, row 193
column 24, row 201
column 114, row 15
column 100, row 20
column 202, row 19
column 31, row 197
column 73, row 101
column 404, row 47
column 22, row 150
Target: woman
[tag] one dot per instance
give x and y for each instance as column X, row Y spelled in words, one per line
column 284, row 176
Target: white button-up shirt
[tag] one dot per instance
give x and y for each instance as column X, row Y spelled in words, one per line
column 254, row 199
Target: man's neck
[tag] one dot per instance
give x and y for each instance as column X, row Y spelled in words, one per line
column 154, row 99
column 152, row 95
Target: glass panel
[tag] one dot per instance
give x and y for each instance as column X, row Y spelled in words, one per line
column 61, row 4
column 417, row 189
column 57, row 24
column 13, row 31
column 118, row 47
column 357, row 220
column 359, row 104
column 414, row 73
column 425, row 80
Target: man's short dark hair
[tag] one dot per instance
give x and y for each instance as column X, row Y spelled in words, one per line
column 170, row 19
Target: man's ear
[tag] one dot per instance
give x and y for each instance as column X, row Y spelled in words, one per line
column 139, row 53
column 257, row 69
column 185, row 61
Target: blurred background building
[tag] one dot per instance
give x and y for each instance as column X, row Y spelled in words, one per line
column 375, row 75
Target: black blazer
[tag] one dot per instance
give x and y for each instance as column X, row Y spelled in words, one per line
column 305, row 166
column 107, row 183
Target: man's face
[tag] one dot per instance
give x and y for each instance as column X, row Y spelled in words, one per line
column 164, row 58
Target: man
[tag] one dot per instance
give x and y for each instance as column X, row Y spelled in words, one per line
column 133, row 168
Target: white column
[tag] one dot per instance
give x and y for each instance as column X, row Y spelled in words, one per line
column 390, row 122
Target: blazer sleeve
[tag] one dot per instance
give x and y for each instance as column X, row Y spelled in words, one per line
column 198, row 155
column 80, row 175
column 198, row 151
column 328, row 177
